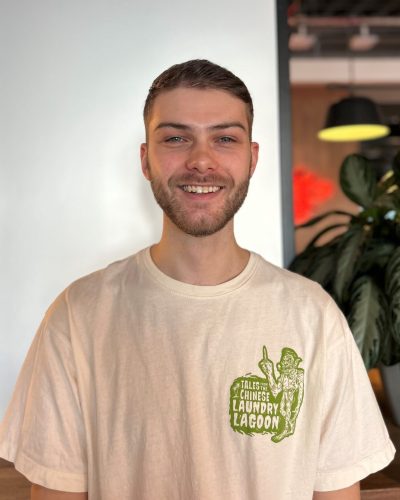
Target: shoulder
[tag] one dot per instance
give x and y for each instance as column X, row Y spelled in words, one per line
column 294, row 287
column 91, row 291
column 110, row 280
column 298, row 305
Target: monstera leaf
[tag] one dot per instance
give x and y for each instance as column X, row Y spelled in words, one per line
column 376, row 255
column 367, row 318
column 302, row 262
column 392, row 282
column 358, row 180
column 387, row 348
column 321, row 264
column 349, row 251
column 360, row 267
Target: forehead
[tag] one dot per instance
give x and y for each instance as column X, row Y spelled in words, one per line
column 197, row 107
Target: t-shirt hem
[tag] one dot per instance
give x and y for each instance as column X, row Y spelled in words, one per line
column 6, row 454
column 56, row 480
column 342, row 478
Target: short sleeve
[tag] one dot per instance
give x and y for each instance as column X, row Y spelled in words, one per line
column 354, row 441
column 42, row 431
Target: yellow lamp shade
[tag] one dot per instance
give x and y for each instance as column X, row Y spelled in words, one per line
column 353, row 119
column 348, row 133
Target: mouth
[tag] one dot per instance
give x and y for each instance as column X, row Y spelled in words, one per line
column 197, row 189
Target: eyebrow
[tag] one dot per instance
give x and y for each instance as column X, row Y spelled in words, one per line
column 219, row 126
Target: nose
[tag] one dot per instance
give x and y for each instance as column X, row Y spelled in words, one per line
column 201, row 158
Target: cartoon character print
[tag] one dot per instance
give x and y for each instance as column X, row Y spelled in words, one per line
column 271, row 404
column 289, row 383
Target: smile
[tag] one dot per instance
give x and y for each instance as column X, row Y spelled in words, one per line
column 201, row 189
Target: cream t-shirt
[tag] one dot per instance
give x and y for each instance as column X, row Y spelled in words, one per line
column 138, row 386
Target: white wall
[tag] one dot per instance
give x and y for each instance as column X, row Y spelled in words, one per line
column 72, row 198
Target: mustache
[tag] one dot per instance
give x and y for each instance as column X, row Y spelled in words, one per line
column 193, row 178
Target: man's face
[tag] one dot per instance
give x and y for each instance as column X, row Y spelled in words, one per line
column 198, row 157
column 287, row 362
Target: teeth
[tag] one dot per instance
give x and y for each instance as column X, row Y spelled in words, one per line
column 201, row 189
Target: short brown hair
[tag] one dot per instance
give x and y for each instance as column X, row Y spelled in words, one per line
column 201, row 74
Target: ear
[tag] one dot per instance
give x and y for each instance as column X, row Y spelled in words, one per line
column 254, row 157
column 143, row 159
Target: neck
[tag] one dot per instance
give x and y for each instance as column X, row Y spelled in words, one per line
column 206, row 260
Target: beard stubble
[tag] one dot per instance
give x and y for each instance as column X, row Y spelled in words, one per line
column 200, row 224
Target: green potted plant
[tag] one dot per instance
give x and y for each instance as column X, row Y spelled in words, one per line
column 360, row 268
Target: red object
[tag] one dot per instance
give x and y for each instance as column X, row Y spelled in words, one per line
column 294, row 8
column 309, row 191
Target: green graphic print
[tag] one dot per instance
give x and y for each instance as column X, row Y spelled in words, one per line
column 269, row 405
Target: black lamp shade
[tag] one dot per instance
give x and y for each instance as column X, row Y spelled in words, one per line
column 353, row 111
column 353, row 119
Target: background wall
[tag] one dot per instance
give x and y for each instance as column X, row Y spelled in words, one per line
column 72, row 198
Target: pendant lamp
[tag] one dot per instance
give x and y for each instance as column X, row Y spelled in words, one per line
column 353, row 119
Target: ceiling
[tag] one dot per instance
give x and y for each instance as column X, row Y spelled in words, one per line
column 323, row 8
column 330, row 25
column 334, row 22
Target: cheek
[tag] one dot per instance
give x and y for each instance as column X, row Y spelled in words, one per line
column 234, row 161
column 165, row 162
column 243, row 166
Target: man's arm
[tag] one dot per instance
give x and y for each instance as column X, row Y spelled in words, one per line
column 350, row 493
column 41, row 493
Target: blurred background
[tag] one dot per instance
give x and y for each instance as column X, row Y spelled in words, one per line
column 337, row 49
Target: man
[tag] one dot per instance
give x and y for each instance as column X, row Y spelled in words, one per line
column 290, row 383
column 139, row 383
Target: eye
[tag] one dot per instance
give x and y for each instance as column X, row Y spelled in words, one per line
column 174, row 139
column 226, row 139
